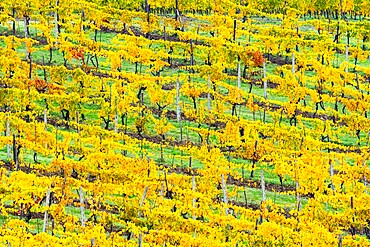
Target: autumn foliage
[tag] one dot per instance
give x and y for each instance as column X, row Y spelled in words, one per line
column 184, row 123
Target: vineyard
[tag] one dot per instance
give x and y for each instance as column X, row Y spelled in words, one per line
column 184, row 123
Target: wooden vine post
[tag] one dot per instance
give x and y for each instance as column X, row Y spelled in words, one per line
column 178, row 109
column 264, row 79
column 8, row 135
column 191, row 53
column 239, row 75
column 208, row 93
column 193, row 185
column 177, row 12
column 263, row 194
column 298, row 197
column 45, row 119
column 144, row 196
column 47, row 204
column 347, row 59
column 56, row 21
column 82, row 208
column 224, row 193
column 140, row 242
column 115, row 122
column 263, row 187
column 141, row 203
column 264, row 89
column 15, row 153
